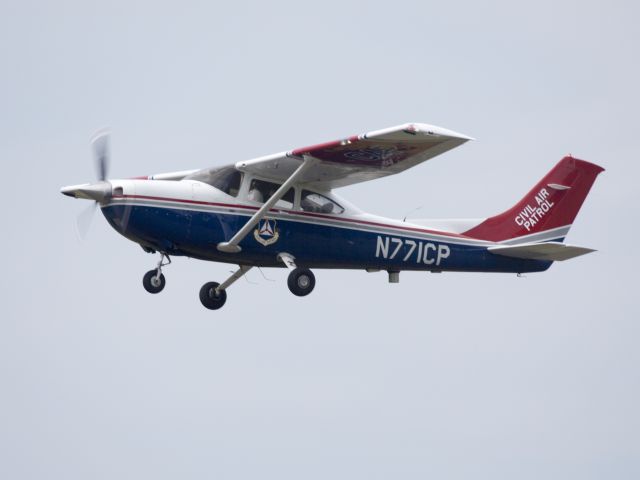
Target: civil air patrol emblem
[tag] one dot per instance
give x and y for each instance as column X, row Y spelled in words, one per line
column 266, row 232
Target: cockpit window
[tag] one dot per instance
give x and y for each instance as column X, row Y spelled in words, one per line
column 314, row 202
column 261, row 191
column 226, row 179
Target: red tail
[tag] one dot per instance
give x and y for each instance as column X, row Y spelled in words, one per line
column 554, row 202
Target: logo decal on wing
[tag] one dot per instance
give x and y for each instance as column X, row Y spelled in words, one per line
column 266, row 232
column 377, row 155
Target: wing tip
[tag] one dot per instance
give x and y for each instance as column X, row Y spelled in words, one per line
column 436, row 130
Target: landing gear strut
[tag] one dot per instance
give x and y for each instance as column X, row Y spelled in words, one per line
column 213, row 295
column 153, row 281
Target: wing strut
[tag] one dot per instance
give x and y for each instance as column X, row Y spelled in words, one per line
column 232, row 245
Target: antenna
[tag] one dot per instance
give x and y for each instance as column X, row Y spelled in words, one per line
column 264, row 276
column 410, row 212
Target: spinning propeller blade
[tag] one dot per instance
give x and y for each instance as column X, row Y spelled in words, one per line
column 98, row 191
column 84, row 219
column 100, row 144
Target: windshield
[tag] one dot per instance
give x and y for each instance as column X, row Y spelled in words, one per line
column 226, row 179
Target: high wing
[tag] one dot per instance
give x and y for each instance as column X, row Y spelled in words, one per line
column 358, row 158
column 343, row 162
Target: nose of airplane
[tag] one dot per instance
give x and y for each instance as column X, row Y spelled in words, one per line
column 100, row 191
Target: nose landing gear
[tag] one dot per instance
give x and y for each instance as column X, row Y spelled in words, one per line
column 154, row 281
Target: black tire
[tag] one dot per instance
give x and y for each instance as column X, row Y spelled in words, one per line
column 301, row 281
column 209, row 298
column 152, row 284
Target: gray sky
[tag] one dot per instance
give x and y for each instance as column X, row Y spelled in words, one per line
column 451, row 376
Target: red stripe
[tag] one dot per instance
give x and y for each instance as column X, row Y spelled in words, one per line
column 296, row 212
column 319, row 146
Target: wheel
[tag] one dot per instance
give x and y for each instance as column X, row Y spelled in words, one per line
column 301, row 281
column 152, row 283
column 209, row 298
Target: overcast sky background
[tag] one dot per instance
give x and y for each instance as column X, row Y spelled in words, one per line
column 453, row 376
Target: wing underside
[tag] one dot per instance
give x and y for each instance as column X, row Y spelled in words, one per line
column 359, row 158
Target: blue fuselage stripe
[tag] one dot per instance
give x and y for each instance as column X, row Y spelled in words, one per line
column 194, row 233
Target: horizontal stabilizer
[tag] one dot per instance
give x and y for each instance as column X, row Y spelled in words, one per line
column 550, row 251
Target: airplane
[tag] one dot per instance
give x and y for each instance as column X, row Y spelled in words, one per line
column 281, row 211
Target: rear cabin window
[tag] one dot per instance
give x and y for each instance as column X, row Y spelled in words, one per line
column 317, row 203
column 261, row 191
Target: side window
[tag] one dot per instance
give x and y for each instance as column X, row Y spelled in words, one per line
column 314, row 202
column 261, row 191
column 228, row 181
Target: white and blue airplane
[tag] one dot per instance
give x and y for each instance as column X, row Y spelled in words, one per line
column 281, row 211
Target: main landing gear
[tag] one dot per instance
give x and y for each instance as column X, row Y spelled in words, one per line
column 301, row 281
column 213, row 295
column 153, row 281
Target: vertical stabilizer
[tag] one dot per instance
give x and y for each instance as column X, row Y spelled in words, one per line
column 548, row 210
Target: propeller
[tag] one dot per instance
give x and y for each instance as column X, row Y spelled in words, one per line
column 100, row 144
column 84, row 219
column 98, row 191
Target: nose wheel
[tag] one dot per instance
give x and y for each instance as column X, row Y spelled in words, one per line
column 153, row 281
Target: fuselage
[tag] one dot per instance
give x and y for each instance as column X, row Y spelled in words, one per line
column 191, row 218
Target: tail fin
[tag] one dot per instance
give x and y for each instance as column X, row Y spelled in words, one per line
column 548, row 210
